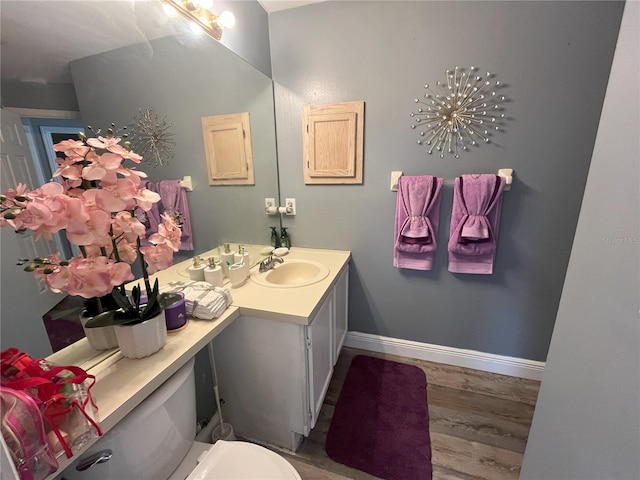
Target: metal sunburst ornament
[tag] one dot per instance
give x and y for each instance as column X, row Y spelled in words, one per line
column 460, row 113
column 152, row 137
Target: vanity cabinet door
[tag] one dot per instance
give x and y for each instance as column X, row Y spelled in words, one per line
column 320, row 358
column 262, row 375
column 341, row 313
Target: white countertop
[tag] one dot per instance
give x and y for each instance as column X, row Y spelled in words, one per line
column 295, row 304
column 122, row 383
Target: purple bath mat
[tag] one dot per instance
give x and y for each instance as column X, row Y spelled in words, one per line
column 381, row 423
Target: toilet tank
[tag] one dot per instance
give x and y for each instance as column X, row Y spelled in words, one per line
column 152, row 440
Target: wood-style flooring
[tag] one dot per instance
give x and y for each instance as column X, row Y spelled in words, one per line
column 479, row 423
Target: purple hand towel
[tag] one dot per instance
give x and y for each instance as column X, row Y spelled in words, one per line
column 417, row 218
column 174, row 203
column 475, row 220
column 151, row 219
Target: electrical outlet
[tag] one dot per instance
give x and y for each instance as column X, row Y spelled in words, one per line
column 269, row 202
column 290, row 203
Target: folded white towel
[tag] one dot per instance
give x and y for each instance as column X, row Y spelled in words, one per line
column 201, row 299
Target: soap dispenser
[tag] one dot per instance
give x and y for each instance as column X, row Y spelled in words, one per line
column 285, row 241
column 275, row 239
column 213, row 273
column 227, row 259
column 196, row 271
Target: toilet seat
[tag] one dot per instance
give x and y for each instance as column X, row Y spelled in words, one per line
column 242, row 460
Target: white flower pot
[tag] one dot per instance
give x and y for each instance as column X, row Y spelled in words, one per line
column 142, row 339
column 100, row 338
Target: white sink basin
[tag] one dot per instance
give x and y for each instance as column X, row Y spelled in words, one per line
column 292, row 273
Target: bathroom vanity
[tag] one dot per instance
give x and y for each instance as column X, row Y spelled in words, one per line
column 274, row 362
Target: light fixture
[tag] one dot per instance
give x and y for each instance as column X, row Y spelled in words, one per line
column 459, row 113
column 198, row 11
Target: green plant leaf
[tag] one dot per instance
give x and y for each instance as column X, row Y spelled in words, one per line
column 167, row 299
column 121, row 300
column 111, row 318
column 153, row 308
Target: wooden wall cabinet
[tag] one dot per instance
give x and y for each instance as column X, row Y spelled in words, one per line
column 332, row 143
column 227, row 145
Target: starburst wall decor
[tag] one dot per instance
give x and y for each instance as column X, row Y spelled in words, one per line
column 462, row 112
column 152, row 137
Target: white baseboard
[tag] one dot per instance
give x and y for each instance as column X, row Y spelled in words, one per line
column 488, row 362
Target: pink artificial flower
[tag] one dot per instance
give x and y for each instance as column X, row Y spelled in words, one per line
column 94, row 231
column 134, row 175
column 127, row 251
column 157, row 257
column 93, row 203
column 101, row 165
column 52, row 265
column 35, row 215
column 168, row 234
column 134, row 157
column 57, row 281
column 71, row 187
column 72, row 148
column 109, row 143
column 120, row 273
column 68, row 168
column 145, row 198
column 127, row 225
column 21, row 189
column 12, row 205
column 89, row 277
column 115, row 195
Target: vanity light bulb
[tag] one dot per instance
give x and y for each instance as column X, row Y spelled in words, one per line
column 206, row 4
column 195, row 28
column 169, row 10
column 226, row 19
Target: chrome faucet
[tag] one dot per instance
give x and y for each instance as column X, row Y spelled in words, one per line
column 268, row 263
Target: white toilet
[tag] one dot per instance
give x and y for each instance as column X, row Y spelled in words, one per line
column 156, row 442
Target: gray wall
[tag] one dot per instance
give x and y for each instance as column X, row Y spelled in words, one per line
column 585, row 425
column 187, row 78
column 249, row 38
column 554, row 58
column 45, row 96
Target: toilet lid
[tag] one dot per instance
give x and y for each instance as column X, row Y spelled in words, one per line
column 242, row 460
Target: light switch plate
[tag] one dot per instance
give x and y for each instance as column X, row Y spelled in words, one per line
column 290, row 203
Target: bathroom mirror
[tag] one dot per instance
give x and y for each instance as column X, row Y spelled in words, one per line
column 153, row 62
